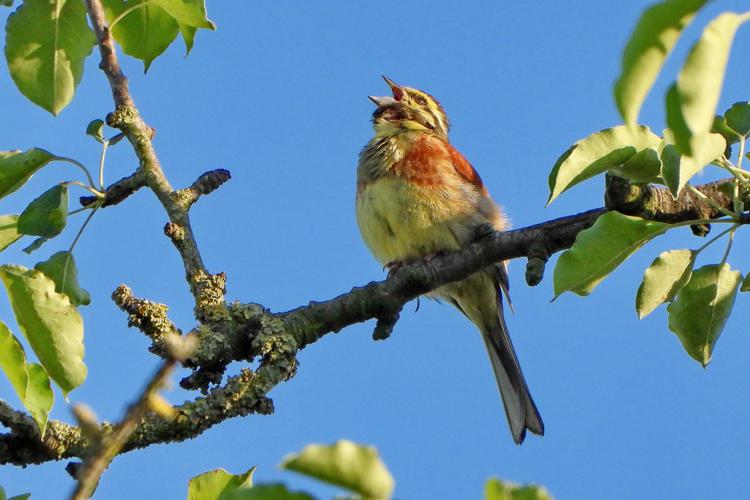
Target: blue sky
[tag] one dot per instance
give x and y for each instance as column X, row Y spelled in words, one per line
column 278, row 96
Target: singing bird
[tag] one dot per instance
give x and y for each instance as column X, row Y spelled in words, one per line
column 417, row 196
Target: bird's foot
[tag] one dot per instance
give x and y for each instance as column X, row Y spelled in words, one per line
column 483, row 230
column 394, row 266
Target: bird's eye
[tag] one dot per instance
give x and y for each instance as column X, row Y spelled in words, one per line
column 398, row 93
column 420, row 100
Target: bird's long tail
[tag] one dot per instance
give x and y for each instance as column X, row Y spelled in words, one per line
column 519, row 406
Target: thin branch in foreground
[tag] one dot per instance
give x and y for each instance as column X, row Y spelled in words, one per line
column 94, row 466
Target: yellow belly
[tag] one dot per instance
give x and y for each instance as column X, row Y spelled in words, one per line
column 401, row 222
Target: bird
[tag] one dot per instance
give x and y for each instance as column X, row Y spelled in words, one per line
column 417, row 197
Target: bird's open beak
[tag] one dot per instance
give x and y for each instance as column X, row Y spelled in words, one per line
column 398, row 94
column 381, row 101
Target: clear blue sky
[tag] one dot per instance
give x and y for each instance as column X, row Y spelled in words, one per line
column 278, row 96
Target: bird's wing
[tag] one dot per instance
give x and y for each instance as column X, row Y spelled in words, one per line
column 464, row 168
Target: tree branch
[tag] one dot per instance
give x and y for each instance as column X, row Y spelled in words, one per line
column 241, row 332
column 127, row 118
column 248, row 330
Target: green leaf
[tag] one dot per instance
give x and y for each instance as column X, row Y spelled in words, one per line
column 495, row 489
column 216, row 484
column 24, row 496
column 701, row 78
column 720, row 127
column 347, row 464
column 702, row 307
column 676, row 121
column 39, row 395
column 144, row 32
column 266, row 492
column 35, row 245
column 188, row 36
column 596, row 154
column 16, row 168
column 95, row 129
column 677, row 169
column 649, row 46
column 8, row 231
column 47, row 215
column 738, row 117
column 188, row 12
column 29, row 380
column 61, row 268
column 663, row 279
column 46, row 44
column 50, row 323
column 644, row 167
column 599, row 249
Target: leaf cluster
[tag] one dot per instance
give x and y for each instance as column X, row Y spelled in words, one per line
column 700, row 299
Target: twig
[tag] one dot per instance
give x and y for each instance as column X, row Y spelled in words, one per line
column 93, row 467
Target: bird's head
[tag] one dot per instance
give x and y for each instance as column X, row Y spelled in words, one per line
column 408, row 109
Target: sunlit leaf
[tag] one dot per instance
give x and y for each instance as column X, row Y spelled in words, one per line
column 61, row 268
column 267, row 492
column 596, row 154
column 599, row 249
column 652, row 40
column 46, row 43
column 188, row 36
column 39, row 396
column 29, row 380
column 16, row 168
column 8, row 231
column 643, row 167
column 47, row 215
column 738, row 117
column 677, row 169
column 144, row 32
column 50, row 323
column 24, row 496
column 702, row 76
column 216, row 484
column 663, row 279
column 95, row 129
column 188, row 12
column 702, row 307
column 495, row 489
column 720, row 127
column 355, row 467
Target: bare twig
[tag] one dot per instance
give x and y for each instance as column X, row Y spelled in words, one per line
column 88, row 474
column 127, row 118
column 118, row 191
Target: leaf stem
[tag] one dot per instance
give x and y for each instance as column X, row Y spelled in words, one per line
column 729, row 245
column 105, row 145
column 90, row 189
column 77, row 164
column 712, row 202
column 128, row 11
column 80, row 231
column 742, row 153
column 712, row 240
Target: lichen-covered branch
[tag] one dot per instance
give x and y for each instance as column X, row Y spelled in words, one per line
column 657, row 203
column 245, row 331
column 127, row 118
